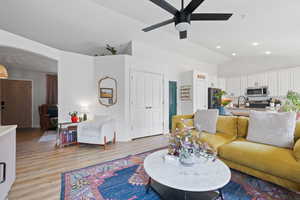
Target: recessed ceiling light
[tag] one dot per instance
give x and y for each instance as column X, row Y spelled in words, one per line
column 233, row 54
column 218, row 47
column 255, row 43
column 268, row 52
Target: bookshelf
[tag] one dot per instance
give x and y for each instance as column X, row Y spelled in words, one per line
column 66, row 134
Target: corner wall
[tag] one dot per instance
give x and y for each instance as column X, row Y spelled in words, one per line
column 76, row 83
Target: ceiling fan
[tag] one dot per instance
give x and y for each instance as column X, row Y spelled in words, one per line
column 182, row 18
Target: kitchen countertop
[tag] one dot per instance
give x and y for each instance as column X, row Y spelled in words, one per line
column 6, row 129
column 244, row 111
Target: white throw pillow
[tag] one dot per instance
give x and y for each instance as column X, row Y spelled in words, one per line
column 206, row 120
column 272, row 128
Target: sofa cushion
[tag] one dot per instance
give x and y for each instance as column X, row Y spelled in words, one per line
column 243, row 123
column 227, row 125
column 297, row 131
column 272, row 128
column 215, row 140
column 179, row 121
column 206, row 120
column 185, row 123
column 297, row 150
column 269, row 159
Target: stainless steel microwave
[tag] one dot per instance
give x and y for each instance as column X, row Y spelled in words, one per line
column 257, row 91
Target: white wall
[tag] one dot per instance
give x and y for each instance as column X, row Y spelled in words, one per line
column 115, row 67
column 78, row 75
column 146, row 58
column 76, row 83
column 38, row 88
column 171, row 64
column 75, row 73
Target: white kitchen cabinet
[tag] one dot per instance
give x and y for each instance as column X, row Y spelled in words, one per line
column 222, row 83
column 213, row 82
column 272, row 83
column 257, row 80
column 233, row 86
column 7, row 159
column 262, row 79
column 244, row 85
column 252, row 80
column 295, row 78
column 284, row 81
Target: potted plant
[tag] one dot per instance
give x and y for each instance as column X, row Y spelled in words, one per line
column 74, row 116
column 292, row 103
column 224, row 101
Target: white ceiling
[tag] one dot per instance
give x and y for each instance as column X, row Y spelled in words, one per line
column 84, row 25
column 18, row 59
column 272, row 23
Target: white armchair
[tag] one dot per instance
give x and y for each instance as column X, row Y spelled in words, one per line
column 100, row 130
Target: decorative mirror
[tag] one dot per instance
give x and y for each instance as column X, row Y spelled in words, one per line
column 107, row 89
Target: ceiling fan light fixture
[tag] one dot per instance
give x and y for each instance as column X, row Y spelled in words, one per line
column 185, row 15
column 183, row 26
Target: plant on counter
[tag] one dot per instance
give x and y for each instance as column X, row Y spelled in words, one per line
column 220, row 94
column 224, row 101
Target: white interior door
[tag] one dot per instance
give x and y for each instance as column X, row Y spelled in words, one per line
column 138, row 103
column 146, row 104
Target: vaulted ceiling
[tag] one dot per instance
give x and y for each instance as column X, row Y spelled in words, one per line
column 273, row 24
column 84, row 25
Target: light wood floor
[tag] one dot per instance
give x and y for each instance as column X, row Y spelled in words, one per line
column 39, row 165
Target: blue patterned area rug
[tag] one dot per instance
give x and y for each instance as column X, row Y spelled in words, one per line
column 125, row 179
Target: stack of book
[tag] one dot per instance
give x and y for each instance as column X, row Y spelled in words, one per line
column 68, row 135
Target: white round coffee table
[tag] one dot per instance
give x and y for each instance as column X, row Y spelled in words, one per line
column 200, row 181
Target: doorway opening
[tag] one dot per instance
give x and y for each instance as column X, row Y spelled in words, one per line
column 29, row 95
column 172, row 101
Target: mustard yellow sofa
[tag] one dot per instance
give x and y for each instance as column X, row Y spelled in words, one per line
column 277, row 165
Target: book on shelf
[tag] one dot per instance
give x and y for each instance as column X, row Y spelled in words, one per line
column 68, row 135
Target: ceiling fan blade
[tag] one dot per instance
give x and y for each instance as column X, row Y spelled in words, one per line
column 183, row 34
column 155, row 26
column 165, row 5
column 210, row 16
column 193, row 5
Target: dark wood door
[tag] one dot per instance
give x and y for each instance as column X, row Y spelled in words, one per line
column 16, row 103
